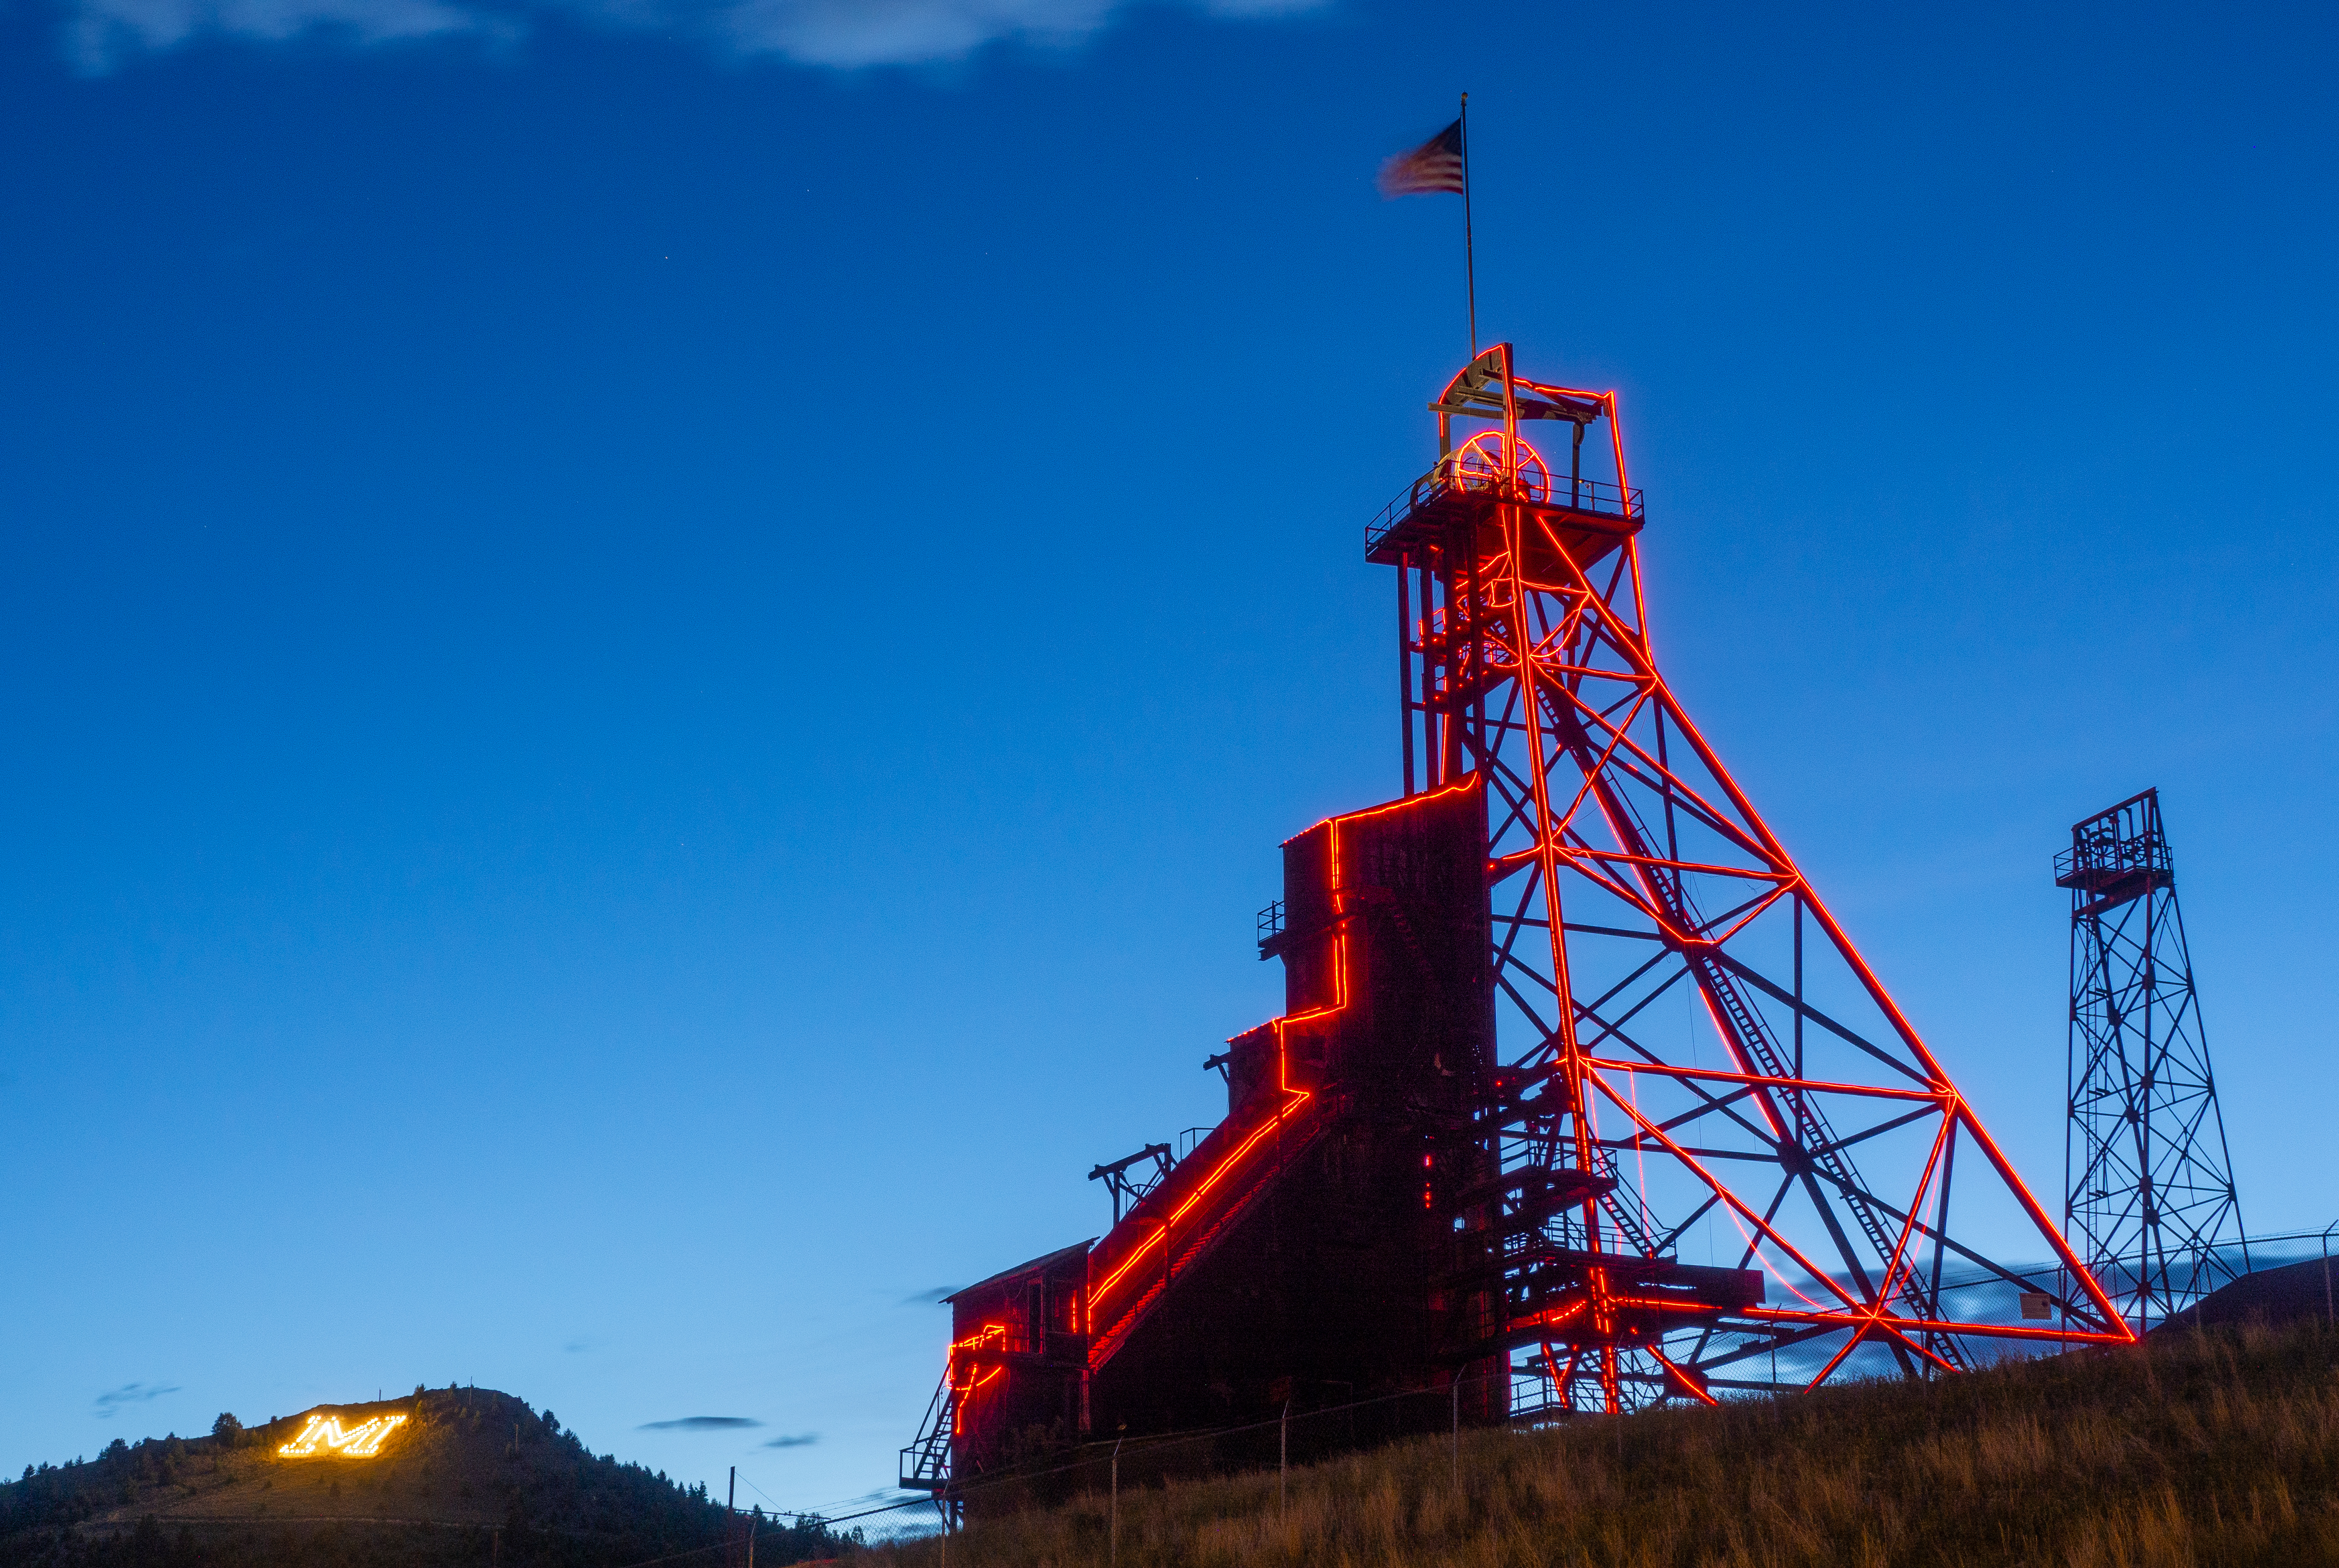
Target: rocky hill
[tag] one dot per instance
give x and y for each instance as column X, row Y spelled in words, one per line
column 451, row 1477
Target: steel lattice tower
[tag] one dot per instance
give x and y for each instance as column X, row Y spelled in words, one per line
column 2149, row 1197
column 1694, row 1047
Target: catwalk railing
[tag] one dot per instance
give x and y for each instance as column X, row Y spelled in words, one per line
column 1595, row 498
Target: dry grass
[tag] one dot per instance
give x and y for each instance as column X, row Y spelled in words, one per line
column 2216, row 1449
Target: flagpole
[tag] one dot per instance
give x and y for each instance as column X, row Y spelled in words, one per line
column 1469, row 251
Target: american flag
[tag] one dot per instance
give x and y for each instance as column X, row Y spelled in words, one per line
column 1433, row 167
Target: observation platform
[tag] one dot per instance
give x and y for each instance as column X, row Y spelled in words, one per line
column 1453, row 510
column 2107, row 874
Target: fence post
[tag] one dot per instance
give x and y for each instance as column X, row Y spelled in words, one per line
column 2330, row 1318
column 1458, row 1432
column 1283, row 1462
column 1112, row 1528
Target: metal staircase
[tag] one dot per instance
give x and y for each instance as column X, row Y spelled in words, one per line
column 926, row 1462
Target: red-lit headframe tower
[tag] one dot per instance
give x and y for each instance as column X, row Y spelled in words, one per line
column 1583, row 1099
column 1698, row 1059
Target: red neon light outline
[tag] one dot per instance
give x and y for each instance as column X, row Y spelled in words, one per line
column 1635, row 643
column 1298, row 1098
column 1680, row 1376
column 1935, row 1325
column 1729, row 1198
column 1943, row 1098
column 1552, row 1318
column 1500, row 454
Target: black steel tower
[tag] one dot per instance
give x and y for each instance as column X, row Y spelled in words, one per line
column 2149, row 1200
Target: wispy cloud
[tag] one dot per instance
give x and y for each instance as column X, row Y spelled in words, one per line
column 130, row 1393
column 700, row 1424
column 839, row 34
column 799, row 1440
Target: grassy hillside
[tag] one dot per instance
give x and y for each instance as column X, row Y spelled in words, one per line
column 470, row 1476
column 2215, row 1448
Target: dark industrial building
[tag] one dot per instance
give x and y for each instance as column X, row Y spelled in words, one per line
column 1464, row 1138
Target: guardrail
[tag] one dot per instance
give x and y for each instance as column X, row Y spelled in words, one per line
column 1595, row 498
column 2113, row 857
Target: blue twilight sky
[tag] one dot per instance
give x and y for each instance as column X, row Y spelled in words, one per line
column 656, row 652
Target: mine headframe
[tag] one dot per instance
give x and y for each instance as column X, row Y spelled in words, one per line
column 2149, row 1195
column 1694, row 1054
column 1575, row 1061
